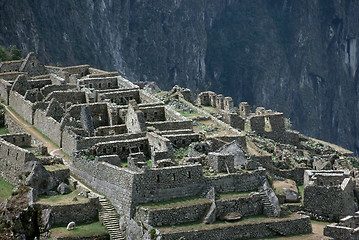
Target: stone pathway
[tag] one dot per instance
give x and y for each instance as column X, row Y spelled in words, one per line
column 110, row 219
column 51, row 147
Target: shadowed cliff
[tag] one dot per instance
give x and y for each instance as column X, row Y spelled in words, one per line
column 299, row 57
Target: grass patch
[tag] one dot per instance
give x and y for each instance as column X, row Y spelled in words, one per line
column 62, row 199
column 233, row 195
column 4, row 130
column 55, row 167
column 177, row 202
column 124, row 163
column 301, row 191
column 84, row 230
column 149, row 163
column 5, row 189
column 180, row 153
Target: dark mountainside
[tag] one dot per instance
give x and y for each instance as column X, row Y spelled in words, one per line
column 299, row 57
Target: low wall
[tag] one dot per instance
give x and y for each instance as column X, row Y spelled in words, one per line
column 78, row 213
column 87, row 142
column 18, row 139
column 12, row 126
column 173, row 216
column 243, row 205
column 196, row 212
column 104, row 236
column 280, row 227
column 237, row 182
column 12, row 161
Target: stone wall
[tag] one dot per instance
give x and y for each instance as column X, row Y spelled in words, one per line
column 48, row 126
column 5, row 90
column 233, row 119
column 172, row 115
column 114, row 182
column 12, row 126
column 243, row 205
column 122, row 148
column 173, row 216
column 39, row 83
column 77, row 212
column 79, row 69
column 221, row 162
column 237, row 182
column 111, row 130
column 159, row 184
column 63, row 97
column 119, row 97
column 72, row 143
column 296, row 174
column 281, row 227
column 99, row 113
column 196, row 212
column 159, row 143
column 99, row 83
column 10, row 66
column 52, row 88
column 18, row 139
column 111, row 159
column 12, row 161
column 183, row 140
column 21, row 106
column 332, row 202
column 147, row 98
column 154, row 113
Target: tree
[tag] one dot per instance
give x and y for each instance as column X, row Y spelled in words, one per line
column 10, row 53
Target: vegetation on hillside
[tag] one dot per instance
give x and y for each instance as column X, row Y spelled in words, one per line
column 10, row 53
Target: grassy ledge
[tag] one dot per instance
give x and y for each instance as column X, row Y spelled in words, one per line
column 83, row 230
column 5, row 189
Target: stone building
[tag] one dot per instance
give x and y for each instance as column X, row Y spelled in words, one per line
column 329, row 193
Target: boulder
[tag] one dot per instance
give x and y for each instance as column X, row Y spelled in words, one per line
column 63, row 188
column 231, row 217
column 47, row 220
column 291, row 196
column 39, row 178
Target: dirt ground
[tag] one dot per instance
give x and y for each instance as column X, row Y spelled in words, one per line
column 316, row 235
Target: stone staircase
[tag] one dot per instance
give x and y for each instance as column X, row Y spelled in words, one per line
column 268, row 208
column 110, row 219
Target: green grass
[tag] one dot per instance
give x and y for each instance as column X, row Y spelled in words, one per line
column 3, row 130
column 177, row 202
column 180, row 153
column 301, row 191
column 85, row 230
column 5, row 189
column 233, row 195
column 62, row 199
column 149, row 163
column 55, row 167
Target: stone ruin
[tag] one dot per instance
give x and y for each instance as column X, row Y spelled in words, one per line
column 346, row 229
column 329, row 194
column 130, row 146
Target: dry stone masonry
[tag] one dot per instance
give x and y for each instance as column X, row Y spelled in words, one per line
column 161, row 165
